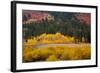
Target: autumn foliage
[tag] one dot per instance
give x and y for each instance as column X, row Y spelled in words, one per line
column 56, row 53
column 49, row 38
column 33, row 53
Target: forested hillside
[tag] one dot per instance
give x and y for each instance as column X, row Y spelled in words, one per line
column 76, row 25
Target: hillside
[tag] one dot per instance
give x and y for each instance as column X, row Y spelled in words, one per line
column 36, row 16
column 77, row 25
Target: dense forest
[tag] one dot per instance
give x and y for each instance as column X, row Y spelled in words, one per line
column 65, row 23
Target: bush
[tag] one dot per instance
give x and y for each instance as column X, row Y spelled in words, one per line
column 52, row 58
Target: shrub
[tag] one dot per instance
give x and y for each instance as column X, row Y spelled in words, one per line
column 52, row 58
column 56, row 53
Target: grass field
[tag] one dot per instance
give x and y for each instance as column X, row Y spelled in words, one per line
column 56, row 53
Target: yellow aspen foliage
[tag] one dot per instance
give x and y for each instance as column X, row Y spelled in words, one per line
column 46, row 41
column 49, row 39
column 45, row 53
column 27, row 57
column 52, row 58
column 67, row 50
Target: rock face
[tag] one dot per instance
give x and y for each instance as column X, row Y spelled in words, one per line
column 83, row 18
column 30, row 16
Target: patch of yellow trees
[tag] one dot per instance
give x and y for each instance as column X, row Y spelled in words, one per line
column 49, row 38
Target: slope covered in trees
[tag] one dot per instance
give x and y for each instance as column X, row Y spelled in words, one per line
column 75, row 25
